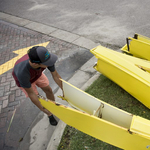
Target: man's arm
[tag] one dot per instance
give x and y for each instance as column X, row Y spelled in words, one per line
column 35, row 100
column 57, row 78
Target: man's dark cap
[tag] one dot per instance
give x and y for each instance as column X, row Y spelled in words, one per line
column 41, row 55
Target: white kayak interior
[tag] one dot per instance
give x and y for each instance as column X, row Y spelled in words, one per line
column 93, row 106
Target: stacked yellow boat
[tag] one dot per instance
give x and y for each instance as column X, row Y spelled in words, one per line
column 125, row 71
column 138, row 46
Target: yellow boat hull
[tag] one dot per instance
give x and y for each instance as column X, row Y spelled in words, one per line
column 115, row 126
column 139, row 46
column 124, row 71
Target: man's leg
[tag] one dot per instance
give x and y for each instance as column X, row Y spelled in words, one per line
column 49, row 93
column 43, row 83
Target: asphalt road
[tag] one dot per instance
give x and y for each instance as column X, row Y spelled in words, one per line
column 103, row 21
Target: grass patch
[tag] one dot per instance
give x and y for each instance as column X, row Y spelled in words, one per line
column 105, row 90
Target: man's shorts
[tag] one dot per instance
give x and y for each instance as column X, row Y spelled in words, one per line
column 42, row 81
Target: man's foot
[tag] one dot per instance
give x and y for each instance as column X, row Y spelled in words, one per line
column 52, row 120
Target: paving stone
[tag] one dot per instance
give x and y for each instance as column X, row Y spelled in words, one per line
column 18, row 92
column 5, row 83
column 3, row 79
column 3, row 98
column 1, row 93
column 7, row 88
column 7, row 93
column 10, row 79
column 14, row 103
column 9, row 75
column 13, row 88
column 11, row 97
column 5, row 103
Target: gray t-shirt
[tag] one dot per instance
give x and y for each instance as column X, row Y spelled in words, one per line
column 24, row 74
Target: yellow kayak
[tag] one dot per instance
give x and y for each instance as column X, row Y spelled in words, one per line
column 138, row 46
column 101, row 120
column 125, row 71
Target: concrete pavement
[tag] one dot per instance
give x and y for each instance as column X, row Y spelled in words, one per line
column 26, row 130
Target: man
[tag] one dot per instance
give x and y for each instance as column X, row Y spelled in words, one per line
column 28, row 73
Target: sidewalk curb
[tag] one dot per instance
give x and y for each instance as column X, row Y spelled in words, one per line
column 49, row 31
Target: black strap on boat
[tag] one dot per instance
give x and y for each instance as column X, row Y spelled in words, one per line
column 128, row 48
column 135, row 36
